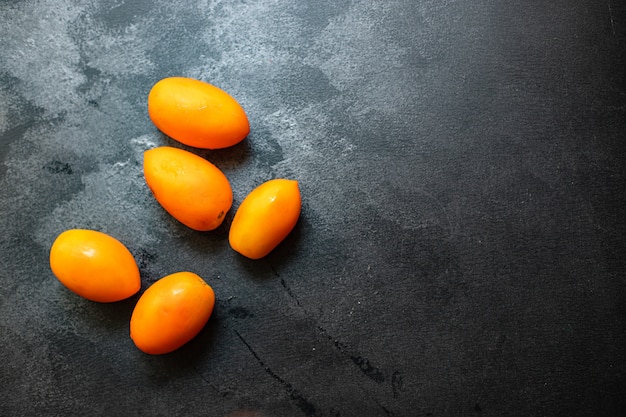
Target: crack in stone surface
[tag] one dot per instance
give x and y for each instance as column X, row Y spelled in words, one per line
column 296, row 396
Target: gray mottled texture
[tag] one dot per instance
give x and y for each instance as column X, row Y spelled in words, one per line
column 460, row 250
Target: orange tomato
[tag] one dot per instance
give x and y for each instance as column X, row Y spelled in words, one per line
column 190, row 188
column 197, row 113
column 265, row 217
column 171, row 312
column 94, row 265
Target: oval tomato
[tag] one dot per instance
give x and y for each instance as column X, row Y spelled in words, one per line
column 265, row 217
column 94, row 265
column 190, row 188
column 171, row 312
column 197, row 113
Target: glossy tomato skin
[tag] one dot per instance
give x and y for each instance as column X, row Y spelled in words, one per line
column 94, row 265
column 265, row 217
column 190, row 188
column 197, row 113
column 171, row 312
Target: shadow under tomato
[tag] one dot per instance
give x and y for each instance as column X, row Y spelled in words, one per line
column 108, row 316
column 226, row 158
column 189, row 356
column 208, row 242
column 286, row 252
column 291, row 246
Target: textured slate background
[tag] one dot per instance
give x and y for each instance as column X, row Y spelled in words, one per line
column 460, row 250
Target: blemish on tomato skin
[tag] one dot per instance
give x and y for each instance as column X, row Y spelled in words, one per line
column 219, row 216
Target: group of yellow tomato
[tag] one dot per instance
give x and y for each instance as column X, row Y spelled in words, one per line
column 174, row 309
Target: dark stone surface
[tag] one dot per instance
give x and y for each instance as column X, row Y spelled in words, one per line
column 460, row 250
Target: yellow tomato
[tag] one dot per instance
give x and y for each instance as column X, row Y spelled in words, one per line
column 171, row 312
column 94, row 265
column 197, row 113
column 190, row 188
column 265, row 217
